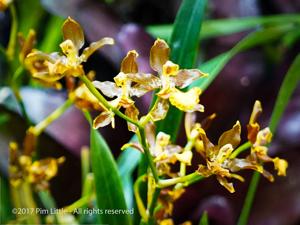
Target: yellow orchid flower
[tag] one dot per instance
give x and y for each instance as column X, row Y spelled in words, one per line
column 52, row 67
column 39, row 172
column 259, row 139
column 173, row 78
column 122, row 91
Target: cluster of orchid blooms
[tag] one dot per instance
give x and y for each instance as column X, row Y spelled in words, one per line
column 220, row 160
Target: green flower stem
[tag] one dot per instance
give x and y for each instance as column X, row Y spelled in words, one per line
column 22, row 197
column 240, row 149
column 153, row 201
column 185, row 180
column 144, row 120
column 188, row 147
column 85, row 165
column 16, row 91
column 139, row 201
column 249, row 199
column 105, row 103
column 147, row 153
column 41, row 126
column 78, row 204
column 10, row 52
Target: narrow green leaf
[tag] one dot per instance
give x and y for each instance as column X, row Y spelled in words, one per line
column 109, row 193
column 129, row 159
column 5, row 203
column 30, row 14
column 287, row 88
column 50, row 42
column 184, row 48
column 221, row 27
column 127, row 163
column 214, row 66
column 204, row 219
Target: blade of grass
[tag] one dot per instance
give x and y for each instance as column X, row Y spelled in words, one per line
column 287, row 88
column 204, row 219
column 127, row 163
column 109, row 193
column 184, row 44
column 214, row 66
column 221, row 27
column 5, row 203
column 50, row 42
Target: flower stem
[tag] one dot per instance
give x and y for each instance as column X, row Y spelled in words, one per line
column 79, row 203
column 153, row 201
column 243, row 219
column 147, row 153
column 105, row 103
column 240, row 149
column 41, row 126
column 188, row 147
column 139, row 201
column 186, row 180
column 16, row 91
column 13, row 33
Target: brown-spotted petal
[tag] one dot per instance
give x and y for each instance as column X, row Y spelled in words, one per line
column 129, row 64
column 264, row 137
column 257, row 110
column 189, row 122
column 241, row 164
column 185, row 77
column 224, row 182
column 133, row 113
column 232, row 136
column 159, row 111
column 147, row 79
column 159, row 55
column 108, row 88
column 103, row 119
column 27, row 44
column 139, row 90
column 94, row 46
column 73, row 31
column 224, row 153
column 204, row 171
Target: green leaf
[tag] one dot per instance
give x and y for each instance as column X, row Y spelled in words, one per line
column 204, row 219
column 221, row 27
column 50, row 42
column 109, row 193
column 288, row 86
column 5, row 203
column 30, row 14
column 127, row 163
column 129, row 159
column 184, row 48
column 214, row 66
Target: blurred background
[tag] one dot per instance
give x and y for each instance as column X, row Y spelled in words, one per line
column 253, row 74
